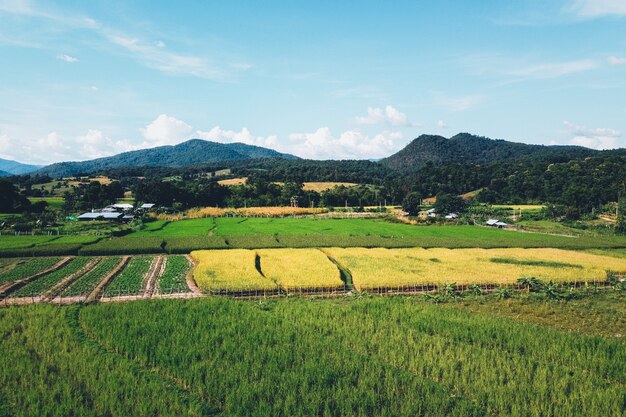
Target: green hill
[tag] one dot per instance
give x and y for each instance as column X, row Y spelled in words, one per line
column 190, row 153
column 472, row 149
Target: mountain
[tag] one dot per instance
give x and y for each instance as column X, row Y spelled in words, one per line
column 5, row 174
column 471, row 149
column 16, row 168
column 192, row 152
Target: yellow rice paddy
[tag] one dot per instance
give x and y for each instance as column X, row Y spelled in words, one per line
column 378, row 267
column 228, row 270
column 300, row 268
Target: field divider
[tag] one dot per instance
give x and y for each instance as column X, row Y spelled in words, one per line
column 257, row 266
column 345, row 273
column 191, row 282
column 69, row 280
column 96, row 294
column 156, row 270
column 10, row 287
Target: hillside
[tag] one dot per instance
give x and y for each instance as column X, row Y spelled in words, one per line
column 5, row 174
column 471, row 149
column 15, row 168
column 190, row 153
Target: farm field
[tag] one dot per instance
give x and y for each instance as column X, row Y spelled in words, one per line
column 17, row 269
column 39, row 286
column 395, row 268
column 174, row 277
column 379, row 267
column 232, row 270
column 184, row 236
column 132, row 279
column 88, row 282
column 343, row 357
column 292, row 269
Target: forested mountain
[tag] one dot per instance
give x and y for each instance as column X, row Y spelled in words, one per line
column 192, row 152
column 5, row 174
column 15, row 168
column 467, row 148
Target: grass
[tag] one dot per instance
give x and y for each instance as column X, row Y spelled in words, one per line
column 233, row 270
column 55, row 203
column 292, row 357
column 299, row 269
column 182, row 228
column 324, row 186
column 132, row 279
column 122, row 246
column 379, row 268
column 46, row 282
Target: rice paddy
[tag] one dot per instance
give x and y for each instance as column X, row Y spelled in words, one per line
column 233, row 270
column 303, row 268
column 379, row 267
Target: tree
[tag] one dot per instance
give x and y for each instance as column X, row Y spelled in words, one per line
column 620, row 227
column 448, row 203
column 11, row 201
column 411, row 203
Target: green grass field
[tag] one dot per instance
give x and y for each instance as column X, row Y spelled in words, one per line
column 292, row 357
column 55, row 203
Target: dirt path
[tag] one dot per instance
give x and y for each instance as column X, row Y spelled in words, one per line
column 155, row 271
column 191, row 283
column 69, row 280
column 96, row 294
column 10, row 287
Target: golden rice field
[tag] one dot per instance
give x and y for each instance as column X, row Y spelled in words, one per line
column 301, row 268
column 379, row 267
column 324, row 186
column 236, row 270
column 228, row 270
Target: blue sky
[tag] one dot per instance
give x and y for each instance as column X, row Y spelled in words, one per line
column 319, row 79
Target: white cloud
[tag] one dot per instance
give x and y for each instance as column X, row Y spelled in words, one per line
column 596, row 138
column 552, row 70
column 616, row 60
column 160, row 44
column 161, row 59
column 441, row 124
column 459, row 103
column 597, row 8
column 389, row 115
column 165, row 130
column 217, row 134
column 67, row 58
column 351, row 144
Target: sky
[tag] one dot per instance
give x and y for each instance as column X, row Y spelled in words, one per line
column 318, row 79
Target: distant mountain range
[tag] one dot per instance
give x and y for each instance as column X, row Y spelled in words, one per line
column 8, row 167
column 189, row 153
column 463, row 148
column 471, row 149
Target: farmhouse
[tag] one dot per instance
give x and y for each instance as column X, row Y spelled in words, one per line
column 496, row 223
column 101, row 216
column 452, row 216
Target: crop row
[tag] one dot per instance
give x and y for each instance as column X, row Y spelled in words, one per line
column 24, row 268
column 131, row 281
column 88, row 282
column 174, row 276
column 46, row 282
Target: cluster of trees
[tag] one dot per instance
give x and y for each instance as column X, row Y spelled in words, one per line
column 92, row 195
column 13, row 201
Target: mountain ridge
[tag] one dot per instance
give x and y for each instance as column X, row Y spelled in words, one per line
column 188, row 153
column 16, row 168
column 469, row 148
